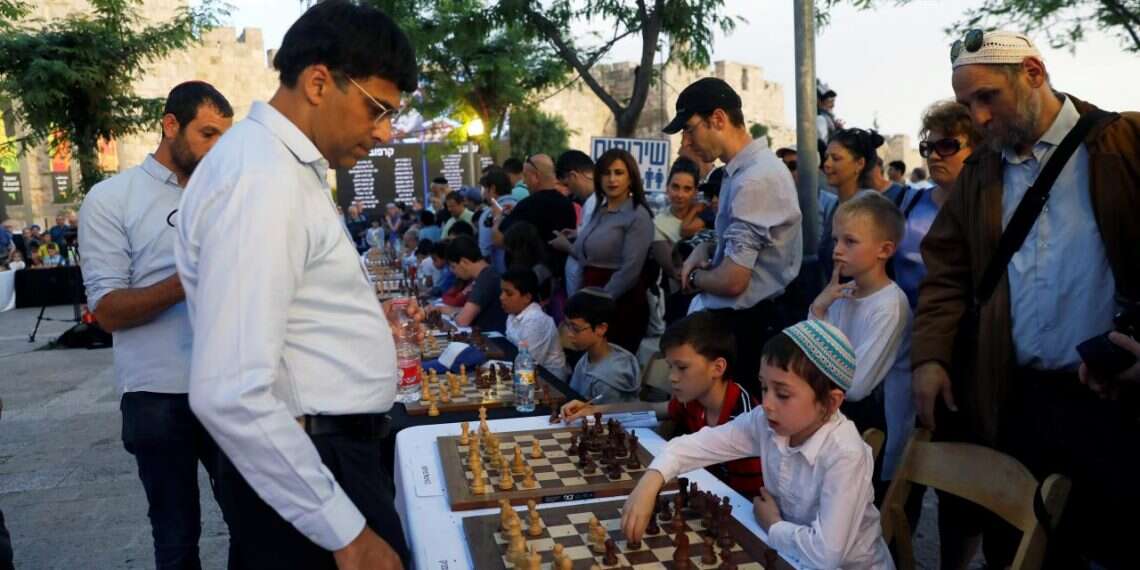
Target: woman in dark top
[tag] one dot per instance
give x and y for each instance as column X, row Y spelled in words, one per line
column 614, row 243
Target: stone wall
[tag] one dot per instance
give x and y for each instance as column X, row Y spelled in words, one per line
column 234, row 62
column 587, row 116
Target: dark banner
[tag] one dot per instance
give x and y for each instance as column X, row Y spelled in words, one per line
column 10, row 185
column 62, row 189
column 401, row 172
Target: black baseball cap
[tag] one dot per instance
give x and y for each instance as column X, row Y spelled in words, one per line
column 702, row 96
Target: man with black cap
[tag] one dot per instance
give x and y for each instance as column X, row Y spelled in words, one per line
column 758, row 234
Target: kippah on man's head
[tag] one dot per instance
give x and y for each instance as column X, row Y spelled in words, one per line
column 998, row 47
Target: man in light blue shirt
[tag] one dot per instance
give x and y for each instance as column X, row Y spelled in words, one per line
column 759, row 236
column 126, row 242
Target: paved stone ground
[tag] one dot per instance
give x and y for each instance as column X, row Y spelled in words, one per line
column 68, row 490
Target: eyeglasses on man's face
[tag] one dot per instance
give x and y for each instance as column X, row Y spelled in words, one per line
column 383, row 111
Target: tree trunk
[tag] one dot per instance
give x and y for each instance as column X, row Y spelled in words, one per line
column 87, row 154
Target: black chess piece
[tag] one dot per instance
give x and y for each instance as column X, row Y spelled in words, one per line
column 683, row 495
column 589, row 467
column 677, row 524
column 708, row 555
column 633, row 462
column 573, row 450
column 610, row 557
column 614, row 471
column 665, row 513
column 681, row 551
column 653, row 529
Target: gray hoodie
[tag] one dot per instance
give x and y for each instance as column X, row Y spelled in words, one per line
column 616, row 377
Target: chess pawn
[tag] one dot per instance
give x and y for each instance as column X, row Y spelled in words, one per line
column 559, row 554
column 456, row 390
column 597, row 536
column 681, row 552
column 535, row 450
column 425, row 392
column 566, row 564
column 433, row 410
column 517, row 543
column 534, row 526
column 464, row 438
column 506, row 482
column 708, row 557
column 444, row 395
column 478, row 486
column 463, row 371
column 529, row 481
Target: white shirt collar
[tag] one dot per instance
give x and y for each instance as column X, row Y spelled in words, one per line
column 810, row 448
column 296, row 141
column 156, row 170
column 526, row 313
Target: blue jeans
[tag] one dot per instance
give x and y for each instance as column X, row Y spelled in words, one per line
column 168, row 442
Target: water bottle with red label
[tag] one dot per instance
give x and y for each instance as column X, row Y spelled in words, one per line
column 407, row 354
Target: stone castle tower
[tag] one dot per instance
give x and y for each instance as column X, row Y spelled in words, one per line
column 236, row 64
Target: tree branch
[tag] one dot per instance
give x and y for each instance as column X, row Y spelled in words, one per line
column 551, row 32
column 1129, row 20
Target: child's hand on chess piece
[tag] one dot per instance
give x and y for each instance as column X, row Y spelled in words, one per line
column 639, row 505
column 766, row 510
column 577, row 409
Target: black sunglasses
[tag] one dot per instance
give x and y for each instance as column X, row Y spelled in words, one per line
column 972, row 42
column 944, row 147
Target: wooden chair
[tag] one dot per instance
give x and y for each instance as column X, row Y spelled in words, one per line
column 996, row 481
column 875, row 439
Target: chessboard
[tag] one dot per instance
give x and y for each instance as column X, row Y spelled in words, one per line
column 491, row 386
column 551, row 465
column 580, row 537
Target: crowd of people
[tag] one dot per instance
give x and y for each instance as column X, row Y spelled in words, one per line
column 920, row 308
column 31, row 247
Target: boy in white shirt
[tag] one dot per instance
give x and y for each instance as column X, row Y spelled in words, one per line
column 873, row 312
column 526, row 322
column 817, row 502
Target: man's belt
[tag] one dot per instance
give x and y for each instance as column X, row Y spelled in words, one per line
column 364, row 426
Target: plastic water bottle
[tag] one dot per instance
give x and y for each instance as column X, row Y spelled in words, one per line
column 407, row 356
column 524, row 380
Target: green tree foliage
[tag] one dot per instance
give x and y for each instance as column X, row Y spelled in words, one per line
column 473, row 64
column 72, row 78
column 1065, row 22
column 533, row 132
column 687, row 24
column 758, row 130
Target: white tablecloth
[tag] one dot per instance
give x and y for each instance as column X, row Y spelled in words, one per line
column 435, row 533
column 7, row 290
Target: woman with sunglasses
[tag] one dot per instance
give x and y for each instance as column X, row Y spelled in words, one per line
column 947, row 138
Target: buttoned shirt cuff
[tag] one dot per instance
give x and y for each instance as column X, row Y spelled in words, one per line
column 335, row 525
column 782, row 536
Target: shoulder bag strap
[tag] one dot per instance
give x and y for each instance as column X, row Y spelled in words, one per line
column 1030, row 206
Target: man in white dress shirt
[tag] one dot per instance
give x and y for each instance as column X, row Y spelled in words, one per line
column 126, row 243
column 294, row 362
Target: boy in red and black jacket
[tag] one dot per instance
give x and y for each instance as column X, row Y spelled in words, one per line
column 699, row 350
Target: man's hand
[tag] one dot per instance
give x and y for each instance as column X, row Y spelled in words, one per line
column 698, row 259
column 1110, row 388
column 413, row 311
column 367, row 552
column 930, row 381
column 765, row 508
column 834, row 291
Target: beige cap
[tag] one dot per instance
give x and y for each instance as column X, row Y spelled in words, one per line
column 997, row 47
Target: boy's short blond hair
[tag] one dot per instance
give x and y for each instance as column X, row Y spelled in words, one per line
column 887, row 219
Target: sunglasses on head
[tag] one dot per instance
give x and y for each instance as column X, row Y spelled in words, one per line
column 944, row 147
column 972, row 42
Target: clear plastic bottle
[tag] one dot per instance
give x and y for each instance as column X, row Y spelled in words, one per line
column 524, row 379
column 407, row 356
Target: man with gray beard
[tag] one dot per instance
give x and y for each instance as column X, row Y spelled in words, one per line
column 1016, row 385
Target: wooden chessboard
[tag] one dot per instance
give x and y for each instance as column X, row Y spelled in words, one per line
column 472, row 397
column 558, row 474
column 568, row 526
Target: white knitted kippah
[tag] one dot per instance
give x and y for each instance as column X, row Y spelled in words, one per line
column 999, row 47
